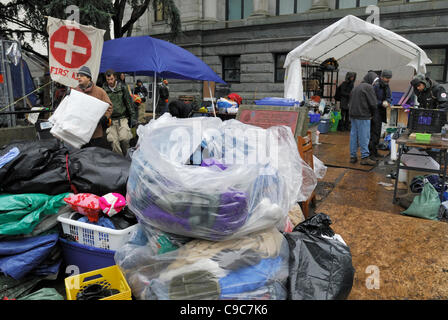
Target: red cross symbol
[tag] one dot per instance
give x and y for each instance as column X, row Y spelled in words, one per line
column 70, row 47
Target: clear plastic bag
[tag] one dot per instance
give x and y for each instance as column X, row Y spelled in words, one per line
column 319, row 168
column 254, row 267
column 214, row 180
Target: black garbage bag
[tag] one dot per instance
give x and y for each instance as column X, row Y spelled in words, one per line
column 320, row 265
column 31, row 159
column 98, row 171
column 51, row 180
column 48, row 167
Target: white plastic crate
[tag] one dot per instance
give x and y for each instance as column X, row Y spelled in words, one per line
column 95, row 236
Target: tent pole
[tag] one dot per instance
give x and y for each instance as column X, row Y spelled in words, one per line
column 211, row 97
column 419, row 61
column 154, row 93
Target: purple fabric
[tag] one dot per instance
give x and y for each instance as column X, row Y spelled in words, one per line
column 213, row 162
column 232, row 214
column 168, row 220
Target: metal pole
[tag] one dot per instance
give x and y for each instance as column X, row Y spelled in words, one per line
column 419, row 61
column 154, row 93
column 211, row 97
column 22, row 77
column 12, row 118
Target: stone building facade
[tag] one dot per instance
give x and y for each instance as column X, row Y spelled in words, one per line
column 246, row 41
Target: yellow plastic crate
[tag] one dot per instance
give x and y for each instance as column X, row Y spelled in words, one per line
column 110, row 277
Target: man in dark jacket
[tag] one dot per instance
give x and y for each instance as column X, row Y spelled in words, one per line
column 164, row 93
column 345, row 89
column 361, row 109
column 430, row 94
column 384, row 99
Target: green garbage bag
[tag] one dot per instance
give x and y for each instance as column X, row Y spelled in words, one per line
column 43, row 294
column 13, row 289
column 20, row 213
column 334, row 121
column 426, row 205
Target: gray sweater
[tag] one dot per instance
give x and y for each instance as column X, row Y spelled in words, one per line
column 363, row 99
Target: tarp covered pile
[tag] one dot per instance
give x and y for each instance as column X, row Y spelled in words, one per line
column 28, row 241
column 212, row 199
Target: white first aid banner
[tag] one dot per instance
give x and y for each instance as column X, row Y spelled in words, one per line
column 73, row 45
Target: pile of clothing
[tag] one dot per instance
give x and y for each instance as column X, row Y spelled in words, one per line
column 29, row 250
column 35, row 178
column 211, row 209
column 227, row 180
column 254, row 267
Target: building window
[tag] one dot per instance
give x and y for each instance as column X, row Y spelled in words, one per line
column 238, row 9
column 408, row 1
column 438, row 68
column 159, row 12
column 344, row 4
column 279, row 70
column 293, row 6
column 231, row 68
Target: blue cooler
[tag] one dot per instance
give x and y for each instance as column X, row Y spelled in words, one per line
column 324, row 125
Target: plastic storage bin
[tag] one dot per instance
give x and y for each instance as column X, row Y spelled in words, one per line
column 86, row 258
column 324, row 125
column 426, row 137
column 92, row 235
column 426, row 120
column 111, row 278
column 396, row 96
column 314, row 117
column 273, row 101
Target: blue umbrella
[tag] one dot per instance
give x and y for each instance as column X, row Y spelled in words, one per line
column 154, row 57
column 145, row 55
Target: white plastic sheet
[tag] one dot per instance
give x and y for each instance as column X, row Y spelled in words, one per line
column 319, row 168
column 77, row 117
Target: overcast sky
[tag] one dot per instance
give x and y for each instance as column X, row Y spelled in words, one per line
column 38, row 46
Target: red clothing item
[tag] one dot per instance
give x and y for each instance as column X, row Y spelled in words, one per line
column 235, row 97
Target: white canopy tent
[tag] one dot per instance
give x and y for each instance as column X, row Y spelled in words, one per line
column 358, row 46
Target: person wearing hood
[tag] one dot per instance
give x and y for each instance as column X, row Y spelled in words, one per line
column 164, row 93
column 384, row 100
column 430, row 94
column 362, row 107
column 345, row 89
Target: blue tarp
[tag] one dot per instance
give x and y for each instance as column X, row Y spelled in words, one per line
column 17, row 82
column 144, row 55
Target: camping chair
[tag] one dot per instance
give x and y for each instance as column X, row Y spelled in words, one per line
column 305, row 146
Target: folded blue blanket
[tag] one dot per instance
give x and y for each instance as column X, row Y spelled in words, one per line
column 19, row 257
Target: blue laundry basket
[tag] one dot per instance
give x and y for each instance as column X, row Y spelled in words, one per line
column 86, row 258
